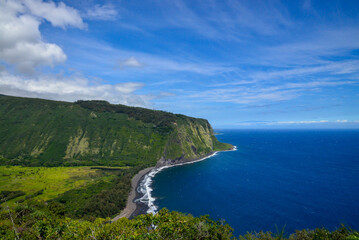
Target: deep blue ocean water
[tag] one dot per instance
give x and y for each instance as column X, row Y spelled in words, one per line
column 293, row 178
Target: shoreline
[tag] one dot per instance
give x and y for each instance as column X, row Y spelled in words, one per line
column 131, row 205
column 134, row 206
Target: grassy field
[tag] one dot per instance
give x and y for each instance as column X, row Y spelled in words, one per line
column 47, row 183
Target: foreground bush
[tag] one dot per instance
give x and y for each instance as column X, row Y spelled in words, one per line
column 28, row 222
column 37, row 220
column 317, row 234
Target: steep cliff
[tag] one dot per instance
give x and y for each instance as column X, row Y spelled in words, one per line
column 37, row 132
column 191, row 139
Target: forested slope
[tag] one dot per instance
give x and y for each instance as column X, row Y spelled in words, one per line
column 37, row 132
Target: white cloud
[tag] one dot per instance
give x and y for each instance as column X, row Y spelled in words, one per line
column 71, row 89
column 332, row 68
column 104, row 12
column 59, row 15
column 29, row 55
column 128, row 87
column 130, row 62
column 216, row 20
column 297, row 122
column 155, row 63
column 170, row 82
column 243, row 95
column 20, row 39
column 311, row 48
column 234, row 83
column 184, row 65
column 96, row 52
column 257, row 93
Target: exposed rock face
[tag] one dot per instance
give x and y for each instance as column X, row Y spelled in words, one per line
column 192, row 139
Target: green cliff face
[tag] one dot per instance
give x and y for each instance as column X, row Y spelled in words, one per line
column 191, row 139
column 36, row 132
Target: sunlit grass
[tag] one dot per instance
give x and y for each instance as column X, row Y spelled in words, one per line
column 53, row 181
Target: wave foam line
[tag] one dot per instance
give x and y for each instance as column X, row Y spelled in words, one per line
column 145, row 185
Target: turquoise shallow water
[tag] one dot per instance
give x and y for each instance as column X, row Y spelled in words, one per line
column 297, row 179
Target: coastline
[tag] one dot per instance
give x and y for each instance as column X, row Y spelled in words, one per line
column 134, row 205
column 131, row 205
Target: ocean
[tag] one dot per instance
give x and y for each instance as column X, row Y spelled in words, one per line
column 291, row 179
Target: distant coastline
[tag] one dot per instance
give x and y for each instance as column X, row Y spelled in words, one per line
column 140, row 200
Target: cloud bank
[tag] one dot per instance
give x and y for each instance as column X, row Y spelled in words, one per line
column 72, row 88
column 21, row 43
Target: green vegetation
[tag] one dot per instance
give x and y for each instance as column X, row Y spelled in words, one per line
column 8, row 195
column 84, row 192
column 341, row 233
column 47, row 183
column 40, row 221
column 100, row 199
column 37, row 132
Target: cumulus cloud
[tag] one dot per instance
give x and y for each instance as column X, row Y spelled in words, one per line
column 28, row 55
column 130, row 62
column 104, row 12
column 20, row 39
column 59, row 15
column 71, row 89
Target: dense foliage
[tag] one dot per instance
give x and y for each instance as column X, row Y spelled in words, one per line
column 101, row 199
column 37, row 132
column 40, row 221
column 84, row 192
column 8, row 195
column 341, row 233
column 161, row 119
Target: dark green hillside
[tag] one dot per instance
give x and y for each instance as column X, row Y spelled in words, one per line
column 37, row 132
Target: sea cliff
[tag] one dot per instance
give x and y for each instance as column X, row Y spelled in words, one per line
column 37, row 132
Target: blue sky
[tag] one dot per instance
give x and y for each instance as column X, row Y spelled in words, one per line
column 239, row 64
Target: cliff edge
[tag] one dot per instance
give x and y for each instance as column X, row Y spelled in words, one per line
column 38, row 132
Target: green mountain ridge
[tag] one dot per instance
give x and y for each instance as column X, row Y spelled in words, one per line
column 38, row 132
